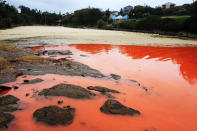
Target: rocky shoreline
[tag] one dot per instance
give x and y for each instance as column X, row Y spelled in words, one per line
column 26, row 62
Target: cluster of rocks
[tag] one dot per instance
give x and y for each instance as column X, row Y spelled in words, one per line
column 7, row 105
column 54, row 115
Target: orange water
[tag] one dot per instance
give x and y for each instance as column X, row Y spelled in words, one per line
column 169, row 73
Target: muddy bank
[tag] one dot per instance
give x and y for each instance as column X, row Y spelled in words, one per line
column 22, row 62
column 46, row 66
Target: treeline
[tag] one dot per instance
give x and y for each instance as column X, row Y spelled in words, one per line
column 142, row 18
column 85, row 17
column 9, row 16
column 156, row 23
column 143, row 11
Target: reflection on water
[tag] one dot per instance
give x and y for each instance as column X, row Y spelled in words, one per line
column 186, row 57
column 169, row 74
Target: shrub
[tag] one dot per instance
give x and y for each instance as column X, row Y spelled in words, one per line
column 100, row 23
column 191, row 24
column 149, row 23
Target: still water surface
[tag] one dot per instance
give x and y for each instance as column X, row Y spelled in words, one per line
column 169, row 74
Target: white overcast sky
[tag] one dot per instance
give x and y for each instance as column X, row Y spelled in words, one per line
column 64, row 6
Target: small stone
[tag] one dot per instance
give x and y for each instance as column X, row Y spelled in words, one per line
column 15, row 87
column 26, row 81
column 60, row 102
column 115, row 77
column 34, row 81
column 82, row 55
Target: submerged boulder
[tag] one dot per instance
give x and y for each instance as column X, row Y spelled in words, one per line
column 102, row 89
column 53, row 115
column 68, row 90
column 115, row 107
column 34, row 81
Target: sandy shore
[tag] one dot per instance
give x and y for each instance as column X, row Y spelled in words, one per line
column 90, row 36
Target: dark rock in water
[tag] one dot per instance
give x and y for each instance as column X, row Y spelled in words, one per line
column 115, row 107
column 5, row 119
column 15, row 87
column 34, row 81
column 68, row 90
column 60, row 102
column 27, row 94
column 102, row 89
column 145, row 88
column 53, row 115
column 82, row 55
column 9, row 99
column 115, row 77
column 26, row 81
column 3, row 88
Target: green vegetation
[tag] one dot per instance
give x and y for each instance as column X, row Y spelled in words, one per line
column 9, row 16
column 155, row 23
column 177, row 19
column 85, row 17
